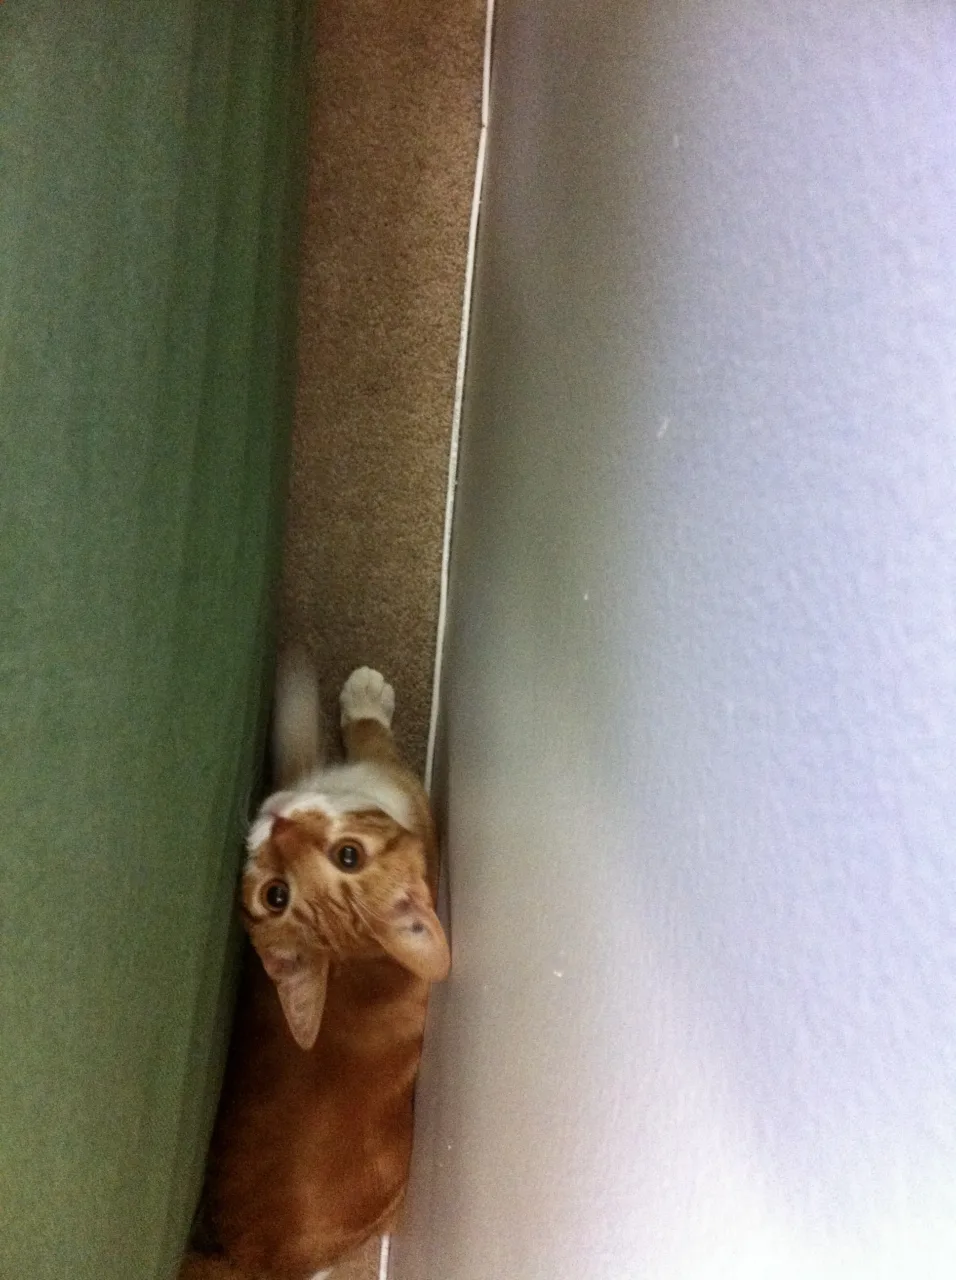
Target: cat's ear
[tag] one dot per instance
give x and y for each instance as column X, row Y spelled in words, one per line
column 302, row 996
column 411, row 933
column 300, row 984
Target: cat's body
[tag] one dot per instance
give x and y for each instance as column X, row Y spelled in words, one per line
column 314, row 1134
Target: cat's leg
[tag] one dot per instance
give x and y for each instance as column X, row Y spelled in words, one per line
column 367, row 702
column 298, row 735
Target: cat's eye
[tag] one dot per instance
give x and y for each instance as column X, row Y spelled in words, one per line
column 275, row 895
column 348, row 856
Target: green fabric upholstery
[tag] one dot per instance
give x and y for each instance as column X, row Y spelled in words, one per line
column 150, row 167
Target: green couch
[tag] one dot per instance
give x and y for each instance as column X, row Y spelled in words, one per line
column 151, row 157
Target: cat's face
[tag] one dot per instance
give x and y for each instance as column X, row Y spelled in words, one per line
column 321, row 888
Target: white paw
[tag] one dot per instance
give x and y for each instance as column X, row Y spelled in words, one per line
column 366, row 695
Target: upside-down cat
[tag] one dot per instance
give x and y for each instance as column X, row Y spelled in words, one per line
column 313, row 1139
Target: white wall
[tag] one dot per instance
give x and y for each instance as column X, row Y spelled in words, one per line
column 701, row 701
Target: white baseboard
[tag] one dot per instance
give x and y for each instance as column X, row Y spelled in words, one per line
column 459, row 396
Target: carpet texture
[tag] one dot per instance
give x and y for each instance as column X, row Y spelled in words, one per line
column 395, row 118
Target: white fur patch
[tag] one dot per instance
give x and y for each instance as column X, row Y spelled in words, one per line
column 343, row 789
column 366, row 695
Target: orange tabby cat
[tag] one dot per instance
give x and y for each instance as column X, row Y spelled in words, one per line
column 313, row 1140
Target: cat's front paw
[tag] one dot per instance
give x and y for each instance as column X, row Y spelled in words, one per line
column 366, row 695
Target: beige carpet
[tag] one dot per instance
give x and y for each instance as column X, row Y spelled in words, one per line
column 396, row 92
column 396, row 99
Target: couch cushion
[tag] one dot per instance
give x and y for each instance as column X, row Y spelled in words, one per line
column 147, row 210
